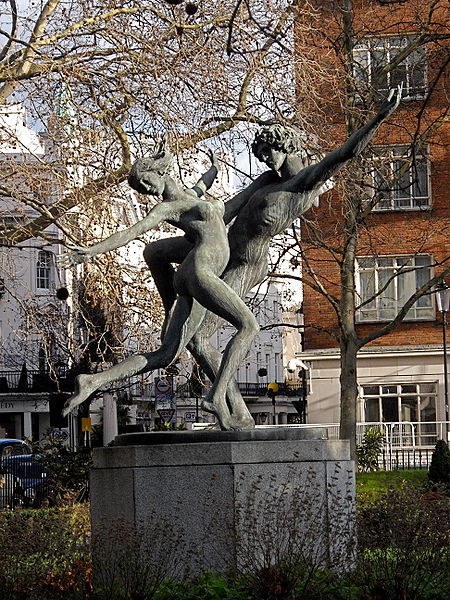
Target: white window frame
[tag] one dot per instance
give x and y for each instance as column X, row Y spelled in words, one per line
column 410, row 191
column 366, row 63
column 390, row 281
column 44, row 270
column 399, row 391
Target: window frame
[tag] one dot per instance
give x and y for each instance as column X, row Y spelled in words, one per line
column 381, row 302
column 44, row 270
column 389, row 157
column 368, row 46
column 425, row 429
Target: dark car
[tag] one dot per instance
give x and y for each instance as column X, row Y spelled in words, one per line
column 22, row 473
column 13, row 447
column 29, row 472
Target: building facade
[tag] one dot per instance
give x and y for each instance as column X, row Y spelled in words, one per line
column 403, row 241
column 34, row 356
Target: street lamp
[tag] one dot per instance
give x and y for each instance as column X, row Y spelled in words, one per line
column 272, row 391
column 443, row 304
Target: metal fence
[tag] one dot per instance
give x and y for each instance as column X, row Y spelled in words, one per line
column 400, row 459
column 23, row 482
column 33, row 381
column 407, row 445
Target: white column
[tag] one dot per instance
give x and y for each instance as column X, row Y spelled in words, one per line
column 27, row 431
column 110, row 428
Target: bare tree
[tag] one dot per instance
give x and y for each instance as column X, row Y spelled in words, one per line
column 367, row 50
column 100, row 82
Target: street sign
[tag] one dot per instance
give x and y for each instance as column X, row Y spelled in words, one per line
column 189, row 417
column 166, row 415
column 163, row 386
column 86, row 424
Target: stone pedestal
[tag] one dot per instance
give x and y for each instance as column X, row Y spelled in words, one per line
column 187, row 502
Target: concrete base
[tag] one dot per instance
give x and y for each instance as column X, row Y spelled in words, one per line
column 192, row 506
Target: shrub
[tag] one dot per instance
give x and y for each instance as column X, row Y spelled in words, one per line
column 403, row 546
column 45, row 553
column 368, row 452
column 439, row 471
column 67, row 470
column 282, row 544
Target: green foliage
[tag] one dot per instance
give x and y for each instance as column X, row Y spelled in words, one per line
column 403, row 541
column 368, row 452
column 45, row 553
column 208, row 586
column 67, row 469
column 166, row 426
column 373, row 485
column 403, row 546
column 439, row 471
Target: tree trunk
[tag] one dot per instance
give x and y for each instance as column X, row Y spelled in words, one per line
column 349, row 393
column 348, row 340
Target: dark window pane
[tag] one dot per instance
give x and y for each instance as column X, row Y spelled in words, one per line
column 390, row 409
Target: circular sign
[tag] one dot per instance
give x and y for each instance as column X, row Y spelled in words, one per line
column 163, row 386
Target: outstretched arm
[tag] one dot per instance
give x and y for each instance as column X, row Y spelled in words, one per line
column 158, row 213
column 207, row 179
column 315, row 175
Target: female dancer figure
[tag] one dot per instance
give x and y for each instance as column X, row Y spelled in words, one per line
column 197, row 281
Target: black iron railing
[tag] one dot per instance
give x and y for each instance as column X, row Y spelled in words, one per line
column 246, row 389
column 23, row 482
column 34, row 382
column 405, row 458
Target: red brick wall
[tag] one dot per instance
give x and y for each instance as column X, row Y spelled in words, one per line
column 425, row 232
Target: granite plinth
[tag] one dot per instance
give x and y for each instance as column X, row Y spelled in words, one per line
column 248, row 435
column 216, row 504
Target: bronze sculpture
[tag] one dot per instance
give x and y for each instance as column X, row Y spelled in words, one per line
column 264, row 209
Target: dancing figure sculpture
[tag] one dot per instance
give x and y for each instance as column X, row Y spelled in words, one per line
column 197, row 282
column 263, row 210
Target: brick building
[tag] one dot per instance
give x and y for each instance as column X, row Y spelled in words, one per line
column 404, row 240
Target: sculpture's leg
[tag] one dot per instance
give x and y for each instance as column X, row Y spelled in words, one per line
column 209, row 358
column 217, row 297
column 184, row 320
column 159, row 255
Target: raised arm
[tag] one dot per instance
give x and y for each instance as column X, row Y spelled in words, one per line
column 207, row 179
column 158, row 213
column 315, row 175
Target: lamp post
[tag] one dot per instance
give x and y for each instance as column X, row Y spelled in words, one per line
column 443, row 304
column 272, row 391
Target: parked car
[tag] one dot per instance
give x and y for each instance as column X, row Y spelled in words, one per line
column 11, row 493
column 13, row 447
column 30, row 473
column 23, row 479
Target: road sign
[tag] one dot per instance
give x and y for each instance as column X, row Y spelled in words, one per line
column 86, row 424
column 166, row 415
column 189, row 417
column 163, row 386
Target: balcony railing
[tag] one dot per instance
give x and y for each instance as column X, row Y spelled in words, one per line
column 30, row 381
column 248, row 390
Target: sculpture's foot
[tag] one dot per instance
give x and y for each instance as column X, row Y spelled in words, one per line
column 228, row 421
column 234, row 423
column 208, row 407
column 84, row 386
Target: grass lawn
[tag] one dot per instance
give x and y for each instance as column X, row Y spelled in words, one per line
column 371, row 485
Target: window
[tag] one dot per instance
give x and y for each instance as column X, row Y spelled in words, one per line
column 43, row 270
column 403, row 403
column 384, row 284
column 399, row 179
column 371, row 54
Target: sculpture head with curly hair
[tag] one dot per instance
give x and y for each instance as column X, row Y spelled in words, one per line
column 273, row 143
